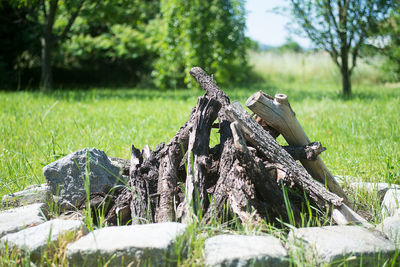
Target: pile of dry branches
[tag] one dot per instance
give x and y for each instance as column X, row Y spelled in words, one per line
column 245, row 172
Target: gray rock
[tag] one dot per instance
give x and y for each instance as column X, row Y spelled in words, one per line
column 335, row 243
column 242, row 250
column 36, row 239
column 381, row 188
column 32, row 194
column 391, row 227
column 67, row 176
column 390, row 202
column 141, row 245
column 16, row 219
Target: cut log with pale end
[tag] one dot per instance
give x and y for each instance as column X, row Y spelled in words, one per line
column 278, row 114
column 267, row 145
column 270, row 148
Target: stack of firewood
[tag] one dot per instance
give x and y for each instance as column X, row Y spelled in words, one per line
column 245, row 174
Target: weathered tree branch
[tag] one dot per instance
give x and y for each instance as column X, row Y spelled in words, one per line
column 268, row 146
column 279, row 115
column 197, row 155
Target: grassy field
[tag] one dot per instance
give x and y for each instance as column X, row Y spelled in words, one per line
column 362, row 133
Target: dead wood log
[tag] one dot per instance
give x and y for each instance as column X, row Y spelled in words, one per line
column 267, row 145
column 263, row 179
column 142, row 182
column 245, row 184
column 197, row 154
column 308, row 152
column 234, row 187
column 172, row 156
column 212, row 90
column 274, row 133
column 139, row 204
column 167, row 184
column 278, row 114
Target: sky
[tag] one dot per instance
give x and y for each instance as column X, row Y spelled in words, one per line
column 266, row 27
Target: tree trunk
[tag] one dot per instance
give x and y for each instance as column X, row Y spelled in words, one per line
column 47, row 42
column 346, row 76
column 46, row 81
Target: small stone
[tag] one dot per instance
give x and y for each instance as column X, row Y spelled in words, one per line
column 36, row 239
column 16, row 219
column 67, row 176
column 242, row 250
column 390, row 202
column 391, row 227
column 339, row 179
column 139, row 245
column 122, row 164
column 32, row 194
column 324, row 245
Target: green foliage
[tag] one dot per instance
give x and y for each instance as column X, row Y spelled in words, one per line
column 115, row 39
column 111, row 38
column 209, row 34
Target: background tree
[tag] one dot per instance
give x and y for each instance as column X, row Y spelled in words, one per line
column 19, row 40
column 87, row 34
column 209, row 34
column 45, row 14
column 340, row 28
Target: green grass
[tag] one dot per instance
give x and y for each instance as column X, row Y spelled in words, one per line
column 361, row 133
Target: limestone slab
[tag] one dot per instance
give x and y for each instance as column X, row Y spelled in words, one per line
column 391, row 202
column 390, row 226
column 334, row 243
column 16, row 219
column 243, row 250
column 36, row 239
column 33, row 194
column 141, row 245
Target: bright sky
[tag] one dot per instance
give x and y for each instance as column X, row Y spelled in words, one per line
column 266, row 27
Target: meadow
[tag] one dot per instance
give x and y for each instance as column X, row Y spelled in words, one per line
column 361, row 133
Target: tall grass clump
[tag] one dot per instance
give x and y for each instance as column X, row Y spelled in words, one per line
column 311, row 66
